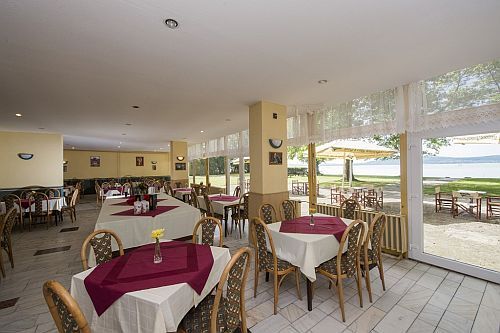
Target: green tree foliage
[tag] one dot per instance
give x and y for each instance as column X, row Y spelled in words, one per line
column 300, row 153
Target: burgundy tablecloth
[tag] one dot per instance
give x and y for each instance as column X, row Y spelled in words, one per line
column 25, row 203
column 327, row 225
column 223, row 198
column 182, row 263
column 130, row 202
column 159, row 210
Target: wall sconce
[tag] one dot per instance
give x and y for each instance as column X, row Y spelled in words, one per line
column 153, row 162
column 65, row 162
column 25, row 156
column 275, row 143
column 180, row 158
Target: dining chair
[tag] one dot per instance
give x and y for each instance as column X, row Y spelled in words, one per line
column 65, row 311
column 170, row 190
column 71, row 207
column 268, row 262
column 209, row 208
column 99, row 194
column 346, row 265
column 224, row 312
column 372, row 251
column 6, row 225
column 157, row 186
column 288, row 210
column 492, row 206
column 267, row 213
column 442, row 200
column 208, row 225
column 37, row 200
column 237, row 191
column 100, row 240
column 350, row 209
column 127, row 188
column 11, row 200
column 240, row 213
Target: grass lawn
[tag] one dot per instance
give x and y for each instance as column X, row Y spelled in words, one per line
column 489, row 185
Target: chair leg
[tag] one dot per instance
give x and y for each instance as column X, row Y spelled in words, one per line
column 358, row 281
column 275, row 287
column 367, row 280
column 340, row 290
column 297, row 282
column 381, row 271
column 1, row 264
column 256, row 280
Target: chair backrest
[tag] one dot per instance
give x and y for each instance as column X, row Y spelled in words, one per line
column 38, row 198
column 354, row 235
column 105, row 185
column 208, row 205
column 208, row 225
column 244, row 201
column 170, row 190
column 74, row 197
column 157, row 186
column 194, row 198
column 237, row 191
column 349, row 209
column 267, row 213
column 260, row 232
column 232, row 305
column 11, row 200
column 66, row 313
column 287, row 210
column 98, row 190
column 437, row 189
column 375, row 233
column 126, row 187
column 101, row 245
column 7, row 224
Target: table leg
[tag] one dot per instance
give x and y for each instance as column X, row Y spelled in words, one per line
column 309, row 295
column 225, row 220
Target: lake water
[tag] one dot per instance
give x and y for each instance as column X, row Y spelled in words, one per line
column 480, row 170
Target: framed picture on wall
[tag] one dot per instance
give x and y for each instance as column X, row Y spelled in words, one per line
column 65, row 168
column 275, row 158
column 153, row 167
column 180, row 166
column 139, row 161
column 95, row 161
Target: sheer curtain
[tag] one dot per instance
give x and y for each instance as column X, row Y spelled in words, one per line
column 232, row 145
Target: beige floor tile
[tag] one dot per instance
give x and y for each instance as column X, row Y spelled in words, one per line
column 487, row 320
column 455, row 277
column 440, row 299
column 309, row 320
column 416, row 298
column 387, row 301
column 463, row 308
column 448, row 287
column 329, row 305
column 328, row 324
column 430, row 281
column 292, row 312
column 473, row 283
column 491, row 296
column 367, row 321
column 351, row 313
column 454, row 323
column 438, row 271
column 431, row 314
column 273, row 323
column 468, row 294
column 420, row 326
column 397, row 320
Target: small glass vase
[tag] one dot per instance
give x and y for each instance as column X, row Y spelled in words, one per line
column 157, row 257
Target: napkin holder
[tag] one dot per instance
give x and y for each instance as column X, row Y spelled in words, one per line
column 137, row 208
column 153, row 201
column 145, row 206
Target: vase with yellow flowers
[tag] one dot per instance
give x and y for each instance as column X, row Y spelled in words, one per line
column 156, row 235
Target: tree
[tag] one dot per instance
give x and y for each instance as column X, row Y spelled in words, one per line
column 300, row 153
column 430, row 146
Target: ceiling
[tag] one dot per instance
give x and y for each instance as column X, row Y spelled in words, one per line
column 78, row 67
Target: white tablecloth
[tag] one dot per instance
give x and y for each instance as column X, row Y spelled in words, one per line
column 217, row 205
column 179, row 194
column 306, row 251
column 151, row 310
column 136, row 230
column 54, row 204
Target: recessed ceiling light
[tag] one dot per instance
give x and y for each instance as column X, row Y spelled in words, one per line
column 120, row 142
column 128, row 124
column 322, row 81
column 124, row 133
column 72, row 147
column 135, row 106
column 227, row 119
column 202, row 131
column 18, row 115
column 118, row 146
column 161, row 148
column 41, row 128
column 171, row 23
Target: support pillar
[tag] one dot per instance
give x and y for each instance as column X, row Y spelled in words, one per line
column 268, row 183
column 313, row 195
column 207, row 172
column 227, row 172
column 178, row 154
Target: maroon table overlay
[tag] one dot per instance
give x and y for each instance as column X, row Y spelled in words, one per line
column 130, row 202
column 326, row 225
column 182, row 263
column 224, row 198
column 152, row 213
column 25, row 203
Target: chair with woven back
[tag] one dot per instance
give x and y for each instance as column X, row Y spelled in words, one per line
column 71, row 207
column 371, row 255
column 350, row 209
column 99, row 194
column 13, row 201
column 53, row 193
column 240, row 213
column 268, row 262
column 6, row 225
column 346, row 265
column 65, row 311
column 267, row 213
column 170, row 190
column 100, row 240
column 39, row 208
column 287, row 209
column 127, row 188
column 223, row 313
column 208, row 225
column 237, row 191
column 209, row 208
column 157, row 186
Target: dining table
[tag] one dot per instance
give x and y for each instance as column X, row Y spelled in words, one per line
column 221, row 204
column 54, row 204
column 182, row 193
column 309, row 249
column 117, row 214
column 130, row 293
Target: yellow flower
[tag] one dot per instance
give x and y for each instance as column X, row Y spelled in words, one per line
column 158, row 233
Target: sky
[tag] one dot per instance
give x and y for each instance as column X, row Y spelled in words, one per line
column 470, row 150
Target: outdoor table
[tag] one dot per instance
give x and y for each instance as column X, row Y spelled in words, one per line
column 307, row 251
column 178, row 221
column 158, row 309
column 220, row 207
column 473, row 195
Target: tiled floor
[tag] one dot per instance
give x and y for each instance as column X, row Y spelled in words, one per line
column 419, row 297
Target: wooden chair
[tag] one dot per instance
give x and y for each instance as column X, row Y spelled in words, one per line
column 71, row 207
column 268, row 262
column 442, row 201
column 237, row 191
column 209, row 209
column 127, row 188
column 208, row 225
column 99, row 194
column 371, row 257
column 336, row 195
column 288, row 210
column 13, row 201
column 157, row 186
column 66, row 313
column 346, row 265
column 470, row 205
column 6, row 225
column 492, row 207
column 350, row 209
column 101, row 245
column 223, row 313
column 240, row 213
column 267, row 213
column 39, row 212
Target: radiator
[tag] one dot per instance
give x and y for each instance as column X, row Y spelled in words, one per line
column 395, row 238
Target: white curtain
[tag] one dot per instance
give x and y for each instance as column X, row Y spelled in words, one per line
column 233, row 145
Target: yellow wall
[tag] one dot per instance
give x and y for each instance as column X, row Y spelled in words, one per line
column 114, row 164
column 44, row 169
column 178, row 148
